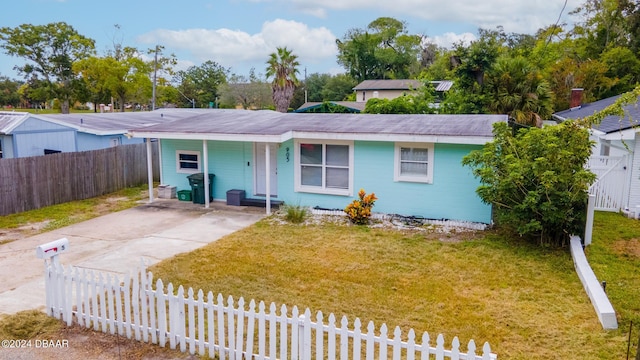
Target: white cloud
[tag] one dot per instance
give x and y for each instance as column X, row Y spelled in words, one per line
column 514, row 16
column 446, row 40
column 235, row 48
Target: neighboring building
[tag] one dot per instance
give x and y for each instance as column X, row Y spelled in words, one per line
column 383, row 89
column 25, row 134
column 411, row 162
column 616, row 152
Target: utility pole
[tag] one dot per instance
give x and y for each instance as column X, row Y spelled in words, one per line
column 305, row 84
column 155, row 71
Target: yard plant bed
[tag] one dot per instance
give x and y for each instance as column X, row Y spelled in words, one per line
column 526, row 301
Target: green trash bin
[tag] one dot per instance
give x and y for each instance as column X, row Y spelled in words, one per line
column 197, row 187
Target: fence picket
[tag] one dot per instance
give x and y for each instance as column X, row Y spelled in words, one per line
column 68, row 283
column 383, row 341
column 181, row 319
column 357, row 339
column 161, row 305
column 94, row 297
column 331, row 337
column 239, row 329
column 210, row 324
column 455, row 349
column 319, row 336
column 251, row 319
column 192, row 321
column 221, row 337
column 397, row 343
column 261, row 331
column 152, row 309
column 85, row 302
column 295, row 341
column 424, row 353
column 144, row 318
column 201, row 337
column 272, row 331
column 127, row 303
column 110, row 301
column 411, row 345
column 103, row 303
column 172, row 317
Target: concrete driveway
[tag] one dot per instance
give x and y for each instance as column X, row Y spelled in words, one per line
column 117, row 243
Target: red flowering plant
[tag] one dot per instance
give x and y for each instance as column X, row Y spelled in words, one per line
column 359, row 211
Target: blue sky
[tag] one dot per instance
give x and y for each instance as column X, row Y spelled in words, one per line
column 240, row 34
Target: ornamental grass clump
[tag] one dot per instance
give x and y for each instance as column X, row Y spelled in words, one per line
column 359, row 211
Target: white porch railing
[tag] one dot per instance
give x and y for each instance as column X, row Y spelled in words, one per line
column 612, row 182
column 131, row 306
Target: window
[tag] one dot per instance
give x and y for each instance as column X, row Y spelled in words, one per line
column 1, row 149
column 414, row 162
column 187, row 161
column 324, row 167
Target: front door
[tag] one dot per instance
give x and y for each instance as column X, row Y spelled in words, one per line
column 260, row 169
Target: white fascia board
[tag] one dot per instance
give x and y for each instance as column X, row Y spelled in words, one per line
column 471, row 140
column 628, row 134
column 201, row 136
column 14, row 124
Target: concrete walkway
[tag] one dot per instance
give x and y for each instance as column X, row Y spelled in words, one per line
column 116, row 243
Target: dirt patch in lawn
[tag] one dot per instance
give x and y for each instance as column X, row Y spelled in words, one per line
column 627, row 247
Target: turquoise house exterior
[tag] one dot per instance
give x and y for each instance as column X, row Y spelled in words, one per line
column 411, row 162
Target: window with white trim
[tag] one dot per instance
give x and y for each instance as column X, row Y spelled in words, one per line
column 324, row 167
column 413, row 162
column 187, row 161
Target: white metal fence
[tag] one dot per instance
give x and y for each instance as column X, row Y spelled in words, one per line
column 612, row 183
column 208, row 326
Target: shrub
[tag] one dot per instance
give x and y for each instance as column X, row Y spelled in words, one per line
column 359, row 211
column 295, row 213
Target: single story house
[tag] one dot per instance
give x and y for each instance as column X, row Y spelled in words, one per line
column 616, row 153
column 25, row 134
column 411, row 162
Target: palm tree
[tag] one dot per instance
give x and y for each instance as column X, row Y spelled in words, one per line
column 283, row 67
column 517, row 89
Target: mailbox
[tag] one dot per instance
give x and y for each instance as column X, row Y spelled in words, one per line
column 46, row 251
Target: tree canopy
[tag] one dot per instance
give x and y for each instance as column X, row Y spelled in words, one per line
column 50, row 51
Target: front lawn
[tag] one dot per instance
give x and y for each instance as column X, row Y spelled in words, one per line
column 527, row 302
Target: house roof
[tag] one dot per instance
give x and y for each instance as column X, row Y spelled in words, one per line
column 389, row 85
column 9, row 120
column 353, row 105
column 609, row 124
column 271, row 126
column 441, row 85
column 117, row 122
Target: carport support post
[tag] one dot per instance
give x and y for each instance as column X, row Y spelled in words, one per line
column 205, row 166
column 267, row 177
column 150, row 169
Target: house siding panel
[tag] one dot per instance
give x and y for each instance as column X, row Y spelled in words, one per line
column 34, row 144
column 230, row 162
column 93, row 142
column 634, row 187
column 451, row 196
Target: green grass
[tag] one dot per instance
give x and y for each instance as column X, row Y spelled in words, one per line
column 526, row 301
column 60, row 215
column 614, row 256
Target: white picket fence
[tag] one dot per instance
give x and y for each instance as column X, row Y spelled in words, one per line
column 131, row 306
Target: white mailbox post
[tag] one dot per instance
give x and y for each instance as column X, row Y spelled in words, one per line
column 52, row 249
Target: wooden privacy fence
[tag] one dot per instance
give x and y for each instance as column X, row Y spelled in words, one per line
column 34, row 182
column 131, row 306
